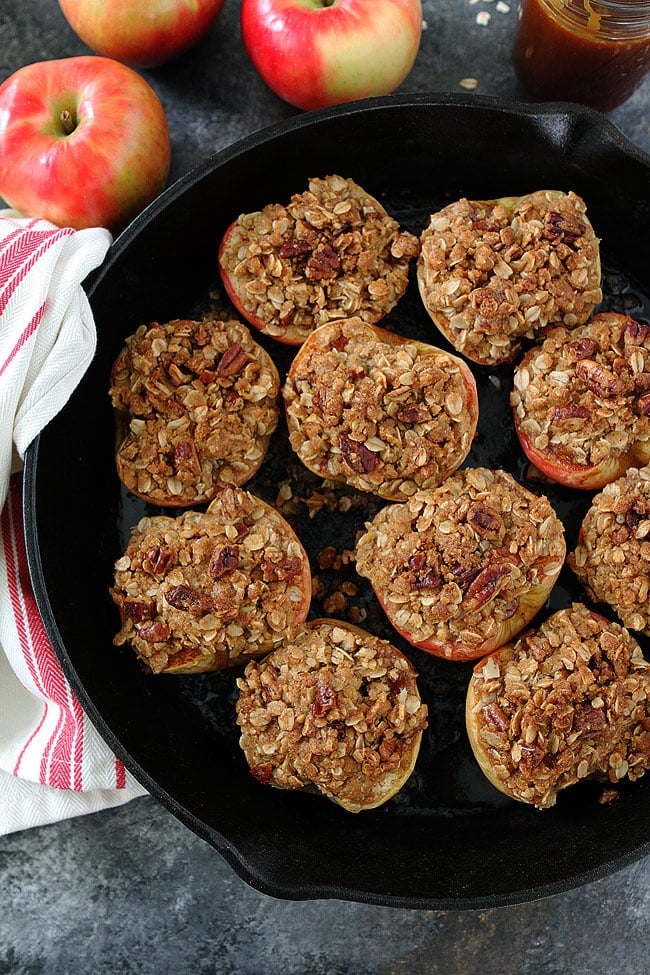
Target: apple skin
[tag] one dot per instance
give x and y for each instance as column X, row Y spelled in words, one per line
column 316, row 53
column 587, row 477
column 142, row 38
column 84, row 142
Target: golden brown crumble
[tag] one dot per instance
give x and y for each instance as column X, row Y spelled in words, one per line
column 492, row 272
column 612, row 557
column 196, row 404
column 583, row 395
column 569, row 700
column 208, row 590
column 457, row 566
column 332, row 252
column 335, row 710
column 383, row 415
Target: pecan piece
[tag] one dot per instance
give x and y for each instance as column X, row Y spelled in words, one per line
column 323, row 264
column 484, row 520
column 232, row 361
column 262, row 772
column 157, row 632
column 635, row 332
column 495, row 717
column 139, row 610
column 357, row 455
column 599, row 380
column 281, row 569
column 326, row 698
column 485, row 586
column 223, row 561
column 570, row 411
column 187, row 600
column 583, row 348
column 412, row 414
column 186, row 458
column 430, row 580
column 294, row 248
column 643, row 405
column 156, row 559
column 563, row 226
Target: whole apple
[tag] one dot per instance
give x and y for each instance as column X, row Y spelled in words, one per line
column 83, row 142
column 142, row 33
column 314, row 53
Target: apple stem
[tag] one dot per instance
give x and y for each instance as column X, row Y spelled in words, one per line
column 68, row 121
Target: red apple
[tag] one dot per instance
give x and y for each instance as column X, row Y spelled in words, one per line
column 142, row 33
column 83, row 142
column 314, row 53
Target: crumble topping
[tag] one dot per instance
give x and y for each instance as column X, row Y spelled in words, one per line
column 583, row 395
column 492, row 272
column 612, row 557
column 568, row 700
column 196, row 405
column 335, row 710
column 384, row 416
column 452, row 566
column 332, row 252
column 208, row 590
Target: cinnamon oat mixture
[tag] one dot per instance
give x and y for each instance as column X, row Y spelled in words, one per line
column 196, row 405
column 332, row 252
column 461, row 568
column 583, row 395
column 335, row 710
column 612, row 557
column 208, row 590
column 569, row 700
column 492, row 272
column 383, row 417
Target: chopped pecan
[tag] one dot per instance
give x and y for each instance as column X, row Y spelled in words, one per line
column 430, row 580
column 643, row 405
column 187, row 600
column 588, row 718
column 391, row 748
column 495, row 717
column 563, row 226
column 294, row 248
column 157, row 632
column 279, row 570
column 224, row 560
column 139, row 610
column 232, row 361
column 326, row 698
column 156, row 559
column 584, row 348
column 484, row 520
column 412, row 414
column 569, row 411
column 635, row 332
column 464, row 575
column 599, row 380
column 485, row 586
column 323, row 264
column 357, row 455
column 186, row 458
column 262, row 772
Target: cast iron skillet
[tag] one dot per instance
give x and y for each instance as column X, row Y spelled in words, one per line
column 449, row 840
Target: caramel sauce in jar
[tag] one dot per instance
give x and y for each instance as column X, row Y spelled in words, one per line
column 596, row 52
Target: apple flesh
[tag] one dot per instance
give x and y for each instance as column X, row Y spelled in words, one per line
column 315, row 53
column 143, row 38
column 84, row 142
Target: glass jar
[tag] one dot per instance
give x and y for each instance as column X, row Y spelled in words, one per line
column 596, row 52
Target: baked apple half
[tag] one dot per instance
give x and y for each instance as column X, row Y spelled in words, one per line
column 195, row 406
column 332, row 252
column 493, row 272
column 460, row 569
column 581, row 401
column 208, row 590
column 334, row 710
column 569, row 700
column 380, row 412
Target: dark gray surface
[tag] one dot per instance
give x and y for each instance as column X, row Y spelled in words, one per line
column 131, row 889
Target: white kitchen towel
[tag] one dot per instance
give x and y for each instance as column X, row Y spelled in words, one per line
column 53, row 762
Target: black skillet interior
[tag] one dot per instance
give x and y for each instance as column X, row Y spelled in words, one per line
column 449, row 840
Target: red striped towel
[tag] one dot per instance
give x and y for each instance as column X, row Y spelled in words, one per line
column 53, row 762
